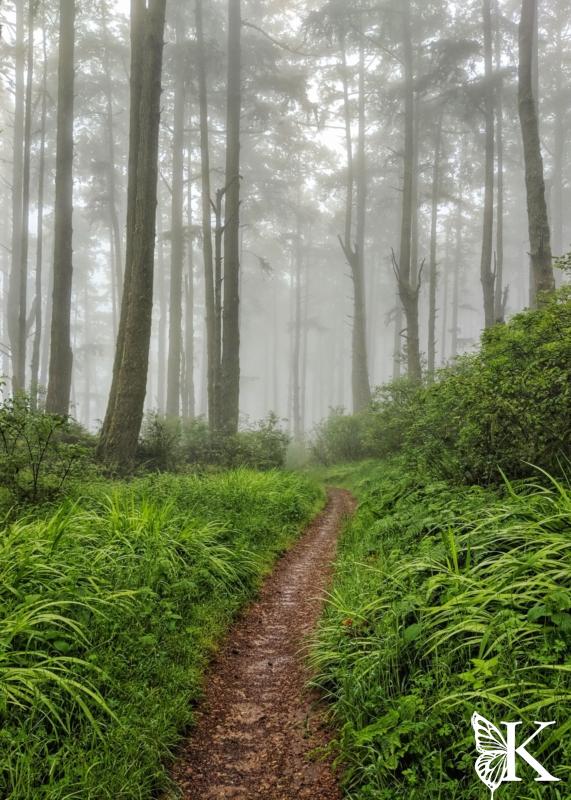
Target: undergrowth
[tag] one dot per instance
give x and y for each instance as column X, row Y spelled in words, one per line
column 447, row 600
column 111, row 606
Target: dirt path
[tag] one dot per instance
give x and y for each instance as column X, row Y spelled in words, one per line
column 257, row 726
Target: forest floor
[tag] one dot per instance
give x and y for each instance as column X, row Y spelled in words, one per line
column 259, row 730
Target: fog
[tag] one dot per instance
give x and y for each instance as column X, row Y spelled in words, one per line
column 323, row 161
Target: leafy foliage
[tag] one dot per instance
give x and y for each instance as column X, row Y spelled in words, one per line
column 111, row 607
column 39, row 452
column 501, row 410
column 446, row 601
column 168, row 444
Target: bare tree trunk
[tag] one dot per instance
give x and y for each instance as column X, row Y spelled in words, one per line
column 456, row 280
column 119, row 436
column 559, row 146
column 16, row 277
column 230, row 389
column 397, row 345
column 36, row 348
column 61, row 356
column 354, row 253
column 499, row 305
column 213, row 352
column 296, row 360
column 433, row 278
column 487, row 276
column 407, row 290
column 177, row 229
column 190, row 403
column 539, row 232
column 114, row 225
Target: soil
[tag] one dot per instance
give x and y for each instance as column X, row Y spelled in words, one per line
column 259, row 731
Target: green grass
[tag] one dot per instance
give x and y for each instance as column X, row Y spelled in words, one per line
column 111, row 606
column 446, row 600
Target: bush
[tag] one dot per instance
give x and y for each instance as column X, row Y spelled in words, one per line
column 39, row 452
column 500, row 410
column 340, row 437
column 170, row 445
column 503, row 409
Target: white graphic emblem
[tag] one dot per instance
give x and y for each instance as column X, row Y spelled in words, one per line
column 496, row 761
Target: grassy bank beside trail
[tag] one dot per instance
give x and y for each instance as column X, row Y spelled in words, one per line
column 447, row 600
column 111, row 606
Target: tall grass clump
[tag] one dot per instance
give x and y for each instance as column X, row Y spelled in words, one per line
column 448, row 601
column 111, row 606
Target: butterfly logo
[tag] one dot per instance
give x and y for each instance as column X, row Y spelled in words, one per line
column 497, row 753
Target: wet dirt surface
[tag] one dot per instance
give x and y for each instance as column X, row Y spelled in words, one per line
column 258, row 727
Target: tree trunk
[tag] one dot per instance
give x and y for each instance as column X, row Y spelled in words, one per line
column 230, row 389
column 61, row 357
column 539, row 232
column 499, row 305
column 177, row 229
column 36, row 348
column 119, row 436
column 16, row 277
column 212, row 352
column 407, row 290
column 114, row 226
column 354, row 254
column 433, row 278
column 559, row 146
column 487, row 276
column 189, row 391
column 296, row 357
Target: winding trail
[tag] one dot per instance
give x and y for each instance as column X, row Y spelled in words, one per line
column 257, row 725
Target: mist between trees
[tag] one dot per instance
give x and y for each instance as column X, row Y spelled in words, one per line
column 229, row 208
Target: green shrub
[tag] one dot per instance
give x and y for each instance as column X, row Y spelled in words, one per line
column 503, row 409
column 340, row 437
column 170, row 445
column 39, row 452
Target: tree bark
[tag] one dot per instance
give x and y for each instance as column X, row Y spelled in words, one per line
column 177, row 229
column 538, row 222
column 433, row 277
column 61, row 356
column 119, row 436
column 230, row 383
column 408, row 290
column 354, row 253
column 189, row 389
column 487, row 276
column 499, row 304
column 212, row 350
column 36, row 348
column 16, row 278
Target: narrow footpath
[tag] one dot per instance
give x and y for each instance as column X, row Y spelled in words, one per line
column 258, row 727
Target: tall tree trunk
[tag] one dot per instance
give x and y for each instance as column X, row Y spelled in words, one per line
column 539, row 232
column 114, row 225
column 499, row 309
column 163, row 318
column 456, row 278
column 190, row 403
column 559, row 146
column 16, row 277
column 119, row 436
column 61, row 357
column 433, row 278
column 36, row 348
column 354, row 253
column 177, row 229
column 230, row 389
column 487, row 276
column 296, row 356
column 408, row 290
column 212, row 351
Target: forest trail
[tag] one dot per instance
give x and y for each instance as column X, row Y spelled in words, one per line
column 257, row 724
